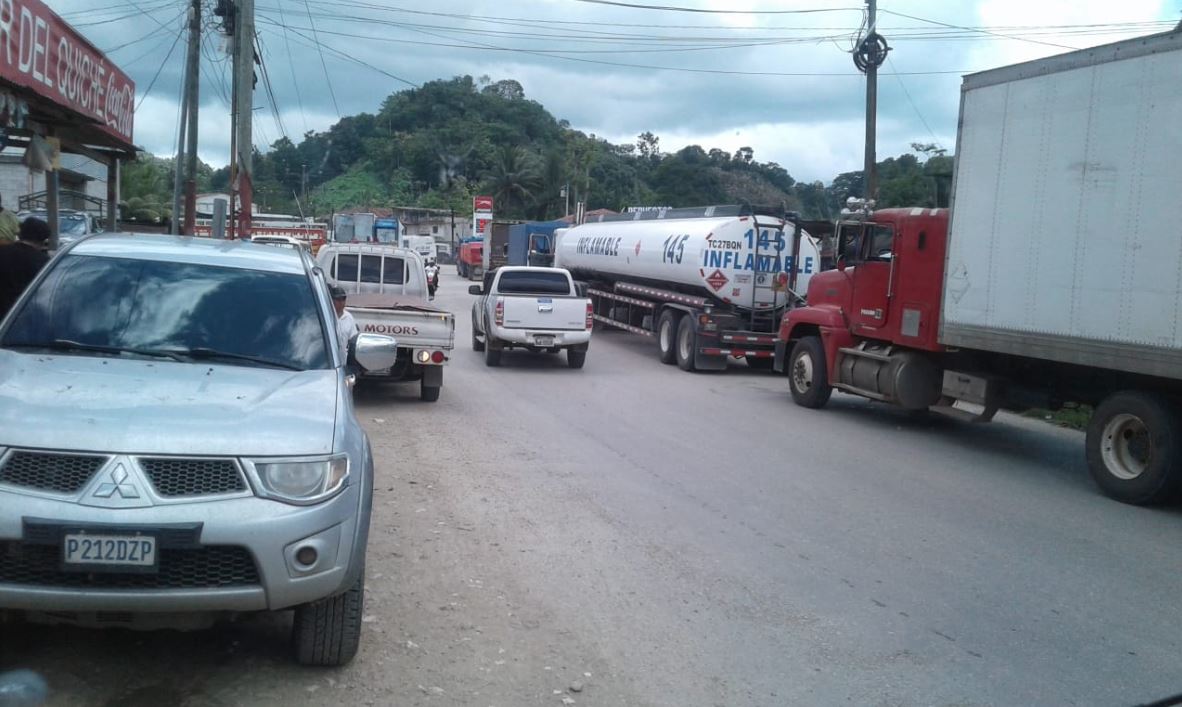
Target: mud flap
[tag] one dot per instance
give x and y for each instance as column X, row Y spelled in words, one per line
column 706, row 362
column 432, row 376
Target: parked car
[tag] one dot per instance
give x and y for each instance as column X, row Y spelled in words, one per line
column 538, row 309
column 177, row 438
column 72, row 225
column 281, row 241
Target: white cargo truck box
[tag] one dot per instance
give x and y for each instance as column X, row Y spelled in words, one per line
column 1065, row 241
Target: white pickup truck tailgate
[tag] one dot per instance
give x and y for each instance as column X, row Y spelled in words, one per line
column 413, row 324
column 545, row 312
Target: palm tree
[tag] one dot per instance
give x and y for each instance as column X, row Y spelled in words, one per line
column 514, row 178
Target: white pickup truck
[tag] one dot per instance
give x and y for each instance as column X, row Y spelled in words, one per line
column 387, row 288
column 538, row 309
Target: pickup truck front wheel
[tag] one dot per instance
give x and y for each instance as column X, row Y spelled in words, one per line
column 575, row 359
column 492, row 354
column 328, row 632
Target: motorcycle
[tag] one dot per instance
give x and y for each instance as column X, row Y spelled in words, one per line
column 432, row 279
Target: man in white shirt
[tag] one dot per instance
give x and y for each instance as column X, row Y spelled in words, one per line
column 346, row 326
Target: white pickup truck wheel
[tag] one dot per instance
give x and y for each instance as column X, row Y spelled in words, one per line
column 477, row 344
column 1133, row 448
column 428, row 393
column 575, row 359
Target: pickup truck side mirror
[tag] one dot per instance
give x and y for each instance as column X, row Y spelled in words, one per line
column 475, row 290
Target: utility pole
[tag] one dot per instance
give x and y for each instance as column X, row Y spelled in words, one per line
column 192, row 100
column 870, row 54
column 178, row 164
column 244, row 109
column 304, row 183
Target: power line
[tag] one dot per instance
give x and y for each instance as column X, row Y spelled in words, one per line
column 316, row 44
column 291, row 68
column 914, row 106
column 158, row 70
column 558, row 54
column 982, row 31
column 269, row 87
column 323, row 65
column 672, row 8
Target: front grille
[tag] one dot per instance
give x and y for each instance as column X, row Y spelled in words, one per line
column 193, row 477
column 63, row 473
column 206, row 567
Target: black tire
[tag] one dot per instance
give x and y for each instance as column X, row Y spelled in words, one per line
column 1133, row 448
column 667, row 336
column 429, row 393
column 760, row 364
column 808, row 374
column 477, row 344
column 687, row 344
column 328, row 632
column 492, row 355
column 575, row 359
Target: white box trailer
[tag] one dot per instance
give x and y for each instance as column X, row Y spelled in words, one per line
column 1065, row 241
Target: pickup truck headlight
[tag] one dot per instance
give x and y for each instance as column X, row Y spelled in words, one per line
column 302, row 481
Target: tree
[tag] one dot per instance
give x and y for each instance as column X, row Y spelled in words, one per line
column 649, row 146
column 513, row 179
column 508, row 89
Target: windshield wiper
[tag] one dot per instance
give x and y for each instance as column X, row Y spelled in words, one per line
column 203, row 353
column 68, row 345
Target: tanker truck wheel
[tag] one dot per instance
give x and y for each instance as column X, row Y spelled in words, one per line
column 808, row 376
column 1134, row 448
column 687, row 344
column 667, row 336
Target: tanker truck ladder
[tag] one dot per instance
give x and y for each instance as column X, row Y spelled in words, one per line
column 764, row 286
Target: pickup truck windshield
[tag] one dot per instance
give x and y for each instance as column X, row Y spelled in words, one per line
column 526, row 282
column 231, row 315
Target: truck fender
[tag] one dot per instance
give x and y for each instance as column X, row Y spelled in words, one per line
column 827, row 322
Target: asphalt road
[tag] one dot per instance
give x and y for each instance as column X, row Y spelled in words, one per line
column 665, row 538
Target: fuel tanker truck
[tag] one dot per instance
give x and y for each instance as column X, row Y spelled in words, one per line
column 709, row 283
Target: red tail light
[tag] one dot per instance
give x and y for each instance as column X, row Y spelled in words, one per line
column 499, row 313
column 437, row 357
column 590, row 316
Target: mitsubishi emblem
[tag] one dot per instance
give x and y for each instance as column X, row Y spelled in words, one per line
column 117, row 485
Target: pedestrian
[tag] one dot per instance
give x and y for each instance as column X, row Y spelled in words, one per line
column 20, row 262
column 9, row 225
column 346, row 326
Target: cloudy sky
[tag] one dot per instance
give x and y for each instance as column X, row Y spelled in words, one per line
column 775, row 75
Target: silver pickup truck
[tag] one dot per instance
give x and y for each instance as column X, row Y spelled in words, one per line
column 387, row 294
column 538, row 309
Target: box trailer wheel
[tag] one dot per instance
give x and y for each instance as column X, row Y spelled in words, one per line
column 1133, row 447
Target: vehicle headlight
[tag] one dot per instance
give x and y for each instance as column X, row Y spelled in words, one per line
column 303, row 481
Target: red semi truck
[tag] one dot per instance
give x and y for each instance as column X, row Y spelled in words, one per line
column 1055, row 278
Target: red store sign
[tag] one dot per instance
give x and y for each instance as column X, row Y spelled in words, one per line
column 42, row 53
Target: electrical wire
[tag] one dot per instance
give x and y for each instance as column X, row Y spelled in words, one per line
column 291, row 68
column 160, row 68
column 982, row 31
column 672, row 8
column 914, row 105
column 323, row 65
column 557, row 55
column 267, row 85
column 312, row 45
